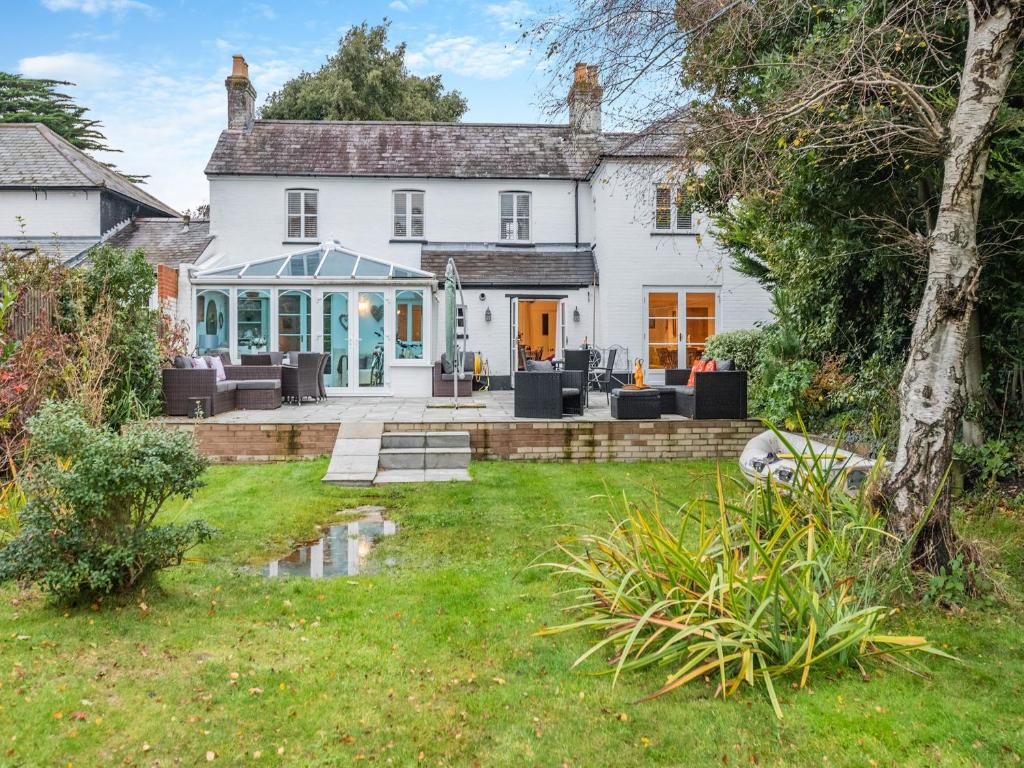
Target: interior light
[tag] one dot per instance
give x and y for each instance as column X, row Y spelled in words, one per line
column 364, row 306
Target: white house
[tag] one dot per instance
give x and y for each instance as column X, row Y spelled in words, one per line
column 334, row 236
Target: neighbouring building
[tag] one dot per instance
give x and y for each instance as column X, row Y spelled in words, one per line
column 334, row 236
column 56, row 199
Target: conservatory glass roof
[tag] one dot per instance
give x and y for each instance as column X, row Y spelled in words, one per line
column 330, row 261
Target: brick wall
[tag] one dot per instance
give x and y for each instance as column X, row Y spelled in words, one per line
column 573, row 441
column 261, row 442
column 166, row 282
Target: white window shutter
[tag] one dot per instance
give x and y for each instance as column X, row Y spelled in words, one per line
column 507, row 216
column 416, row 214
column 523, row 217
column 294, row 215
column 309, row 202
column 401, row 227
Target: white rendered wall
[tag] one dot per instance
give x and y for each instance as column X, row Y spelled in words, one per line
column 630, row 258
column 247, row 214
column 68, row 213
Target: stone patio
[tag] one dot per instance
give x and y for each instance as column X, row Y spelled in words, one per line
column 481, row 407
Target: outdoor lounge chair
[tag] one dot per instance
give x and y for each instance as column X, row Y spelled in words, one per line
column 300, row 381
column 544, row 393
column 601, row 378
column 263, row 358
column 579, row 360
column 720, row 394
column 187, row 390
column 444, row 377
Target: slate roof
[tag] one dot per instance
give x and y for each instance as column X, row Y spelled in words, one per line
column 165, row 241
column 483, row 265
column 33, row 156
column 68, row 249
column 437, row 150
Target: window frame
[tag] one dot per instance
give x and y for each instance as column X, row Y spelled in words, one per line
column 674, row 204
column 304, row 217
column 516, row 216
column 408, row 215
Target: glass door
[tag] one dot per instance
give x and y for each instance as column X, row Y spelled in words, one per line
column 294, row 321
column 335, row 334
column 678, row 325
column 371, row 340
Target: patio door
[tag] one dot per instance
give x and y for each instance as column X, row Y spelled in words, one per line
column 678, row 323
column 352, row 327
column 537, row 330
column 336, row 341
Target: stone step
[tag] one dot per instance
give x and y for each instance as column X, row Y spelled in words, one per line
column 356, row 454
column 425, row 458
column 391, row 476
column 428, row 439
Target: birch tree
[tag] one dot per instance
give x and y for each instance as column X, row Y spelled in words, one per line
column 755, row 84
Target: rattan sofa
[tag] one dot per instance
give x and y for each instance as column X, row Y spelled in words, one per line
column 247, row 387
column 715, row 395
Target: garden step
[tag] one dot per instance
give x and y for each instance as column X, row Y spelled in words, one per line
column 390, row 476
column 447, row 439
column 403, row 440
column 425, row 458
column 356, row 454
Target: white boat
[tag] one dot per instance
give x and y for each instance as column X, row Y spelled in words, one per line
column 768, row 457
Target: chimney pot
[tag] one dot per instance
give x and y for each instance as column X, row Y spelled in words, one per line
column 585, row 100
column 185, row 221
column 241, row 96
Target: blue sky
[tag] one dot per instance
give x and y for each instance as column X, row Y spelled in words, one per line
column 152, row 71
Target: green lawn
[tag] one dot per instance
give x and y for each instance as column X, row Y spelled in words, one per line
column 436, row 663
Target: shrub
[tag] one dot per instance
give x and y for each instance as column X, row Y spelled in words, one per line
column 87, row 528
column 783, row 393
column 775, row 587
column 743, row 347
column 988, row 463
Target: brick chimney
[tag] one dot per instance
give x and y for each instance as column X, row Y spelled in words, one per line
column 585, row 100
column 241, row 96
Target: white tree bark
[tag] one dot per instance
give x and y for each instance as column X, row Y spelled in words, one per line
column 931, row 392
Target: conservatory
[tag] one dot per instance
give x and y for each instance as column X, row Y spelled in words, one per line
column 370, row 317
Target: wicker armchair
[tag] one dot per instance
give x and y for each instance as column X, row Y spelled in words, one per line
column 263, row 358
column 300, row 381
column 715, row 395
column 549, row 394
column 186, row 388
column 444, row 383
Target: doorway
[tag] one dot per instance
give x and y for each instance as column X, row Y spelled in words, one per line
column 678, row 324
column 536, row 330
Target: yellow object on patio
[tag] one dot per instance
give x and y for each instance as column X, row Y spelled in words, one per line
column 477, row 365
column 638, row 375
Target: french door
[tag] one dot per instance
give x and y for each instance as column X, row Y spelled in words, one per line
column 353, row 334
column 537, row 330
column 678, row 323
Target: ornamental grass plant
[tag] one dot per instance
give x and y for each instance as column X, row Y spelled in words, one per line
column 765, row 591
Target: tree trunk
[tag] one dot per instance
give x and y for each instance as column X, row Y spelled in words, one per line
column 931, row 393
column 974, row 392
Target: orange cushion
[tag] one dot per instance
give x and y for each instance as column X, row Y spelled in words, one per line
column 698, row 365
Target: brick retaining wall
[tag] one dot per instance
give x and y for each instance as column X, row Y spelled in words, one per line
column 573, row 441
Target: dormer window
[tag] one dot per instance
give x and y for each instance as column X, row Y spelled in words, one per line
column 407, row 210
column 302, row 208
column 673, row 210
column 515, row 216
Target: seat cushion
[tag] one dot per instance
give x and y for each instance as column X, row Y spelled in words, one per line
column 726, row 365
column 180, row 361
column 648, row 392
column 446, row 364
column 540, row 366
column 687, row 390
column 227, row 386
column 258, row 384
column 570, row 392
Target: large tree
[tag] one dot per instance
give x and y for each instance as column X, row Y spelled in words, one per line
column 892, row 83
column 365, row 80
column 29, row 100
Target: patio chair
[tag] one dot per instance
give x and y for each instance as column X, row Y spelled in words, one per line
column 324, row 360
column 579, row 360
column 601, row 378
column 301, row 381
column 544, row 393
column 263, row 358
column 444, row 378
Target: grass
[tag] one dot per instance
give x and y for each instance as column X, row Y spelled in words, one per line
column 437, row 662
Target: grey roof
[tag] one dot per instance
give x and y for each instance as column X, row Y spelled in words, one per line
column 165, row 241
column 437, row 150
column 31, row 155
column 484, row 265
column 69, row 250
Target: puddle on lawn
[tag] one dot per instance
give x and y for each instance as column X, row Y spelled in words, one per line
column 344, row 549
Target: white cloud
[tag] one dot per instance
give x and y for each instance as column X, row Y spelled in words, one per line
column 86, row 69
column 96, row 7
column 265, row 10
column 468, row 56
column 510, row 14
column 398, row 5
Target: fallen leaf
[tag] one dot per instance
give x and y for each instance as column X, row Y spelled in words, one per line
column 211, row 756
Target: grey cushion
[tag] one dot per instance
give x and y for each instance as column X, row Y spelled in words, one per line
column 649, row 392
column 226, row 386
column 180, row 361
column 451, row 377
column 258, row 384
column 540, row 366
column 570, row 392
column 468, row 361
column 446, row 364
column 687, row 390
column 725, row 365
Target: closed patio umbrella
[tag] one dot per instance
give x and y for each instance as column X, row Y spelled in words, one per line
column 451, row 314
